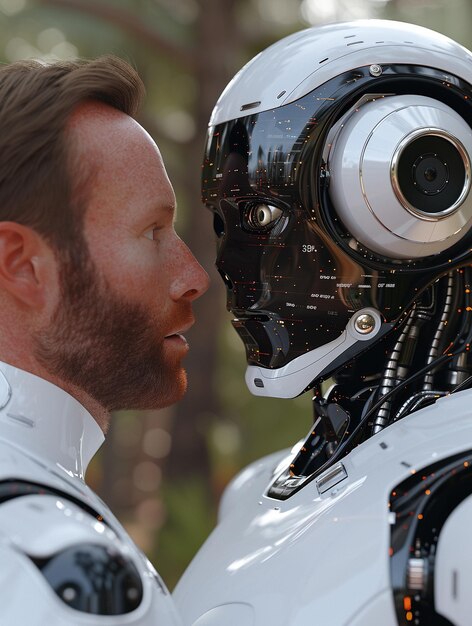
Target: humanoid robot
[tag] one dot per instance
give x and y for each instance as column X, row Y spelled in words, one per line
column 65, row 559
column 338, row 171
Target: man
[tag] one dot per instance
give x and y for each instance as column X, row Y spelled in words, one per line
column 96, row 289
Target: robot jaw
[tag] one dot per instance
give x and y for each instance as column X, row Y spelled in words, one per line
column 364, row 328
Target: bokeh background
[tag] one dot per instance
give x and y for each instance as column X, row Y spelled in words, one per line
column 163, row 472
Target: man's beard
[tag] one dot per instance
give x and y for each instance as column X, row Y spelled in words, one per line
column 107, row 346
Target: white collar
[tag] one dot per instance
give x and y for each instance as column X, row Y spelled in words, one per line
column 46, row 422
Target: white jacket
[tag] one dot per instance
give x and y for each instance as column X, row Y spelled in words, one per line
column 64, row 557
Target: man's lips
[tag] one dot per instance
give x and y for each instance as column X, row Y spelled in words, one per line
column 178, row 332
column 176, row 341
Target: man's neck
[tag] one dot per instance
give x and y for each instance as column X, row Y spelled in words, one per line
column 100, row 414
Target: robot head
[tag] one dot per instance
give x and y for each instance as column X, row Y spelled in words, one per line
column 338, row 169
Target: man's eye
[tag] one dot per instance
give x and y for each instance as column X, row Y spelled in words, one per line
column 262, row 217
column 151, row 233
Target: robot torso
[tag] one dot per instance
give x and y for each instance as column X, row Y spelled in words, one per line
column 368, row 542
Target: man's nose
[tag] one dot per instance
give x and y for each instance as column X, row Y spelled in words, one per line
column 190, row 280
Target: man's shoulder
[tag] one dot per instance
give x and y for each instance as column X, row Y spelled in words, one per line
column 62, row 550
column 59, row 549
column 59, row 561
column 39, row 523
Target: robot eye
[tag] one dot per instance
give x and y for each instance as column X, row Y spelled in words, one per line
column 262, row 217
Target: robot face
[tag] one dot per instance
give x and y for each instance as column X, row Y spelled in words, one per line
column 278, row 265
column 266, row 257
column 334, row 211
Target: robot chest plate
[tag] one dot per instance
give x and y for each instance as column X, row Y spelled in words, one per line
column 323, row 555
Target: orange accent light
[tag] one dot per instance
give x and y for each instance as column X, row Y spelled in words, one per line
column 409, row 616
column 407, row 603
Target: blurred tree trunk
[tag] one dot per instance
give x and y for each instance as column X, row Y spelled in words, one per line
column 215, row 57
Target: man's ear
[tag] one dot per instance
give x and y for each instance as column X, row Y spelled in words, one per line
column 27, row 265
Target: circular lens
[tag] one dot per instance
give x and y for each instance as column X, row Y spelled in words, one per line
column 431, row 174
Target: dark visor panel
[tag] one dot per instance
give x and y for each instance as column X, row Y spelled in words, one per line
column 293, row 284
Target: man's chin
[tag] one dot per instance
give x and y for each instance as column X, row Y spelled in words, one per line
column 164, row 394
column 175, row 390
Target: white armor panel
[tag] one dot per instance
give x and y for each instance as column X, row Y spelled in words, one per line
column 56, row 536
column 323, row 556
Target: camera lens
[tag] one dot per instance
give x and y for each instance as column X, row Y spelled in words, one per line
column 431, row 175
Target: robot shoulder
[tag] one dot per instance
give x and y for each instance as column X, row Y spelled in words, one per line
column 430, row 555
column 253, row 480
column 58, row 559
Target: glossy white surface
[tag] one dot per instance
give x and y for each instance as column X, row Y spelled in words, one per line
column 301, row 62
column 48, row 438
column 292, row 379
column 45, row 421
column 360, row 166
column 319, row 558
column 228, row 614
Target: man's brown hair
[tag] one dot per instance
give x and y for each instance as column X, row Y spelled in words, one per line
column 37, row 168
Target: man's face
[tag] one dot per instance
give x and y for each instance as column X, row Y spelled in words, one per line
column 115, row 331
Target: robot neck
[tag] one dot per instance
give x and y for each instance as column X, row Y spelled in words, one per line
column 426, row 357
column 434, row 338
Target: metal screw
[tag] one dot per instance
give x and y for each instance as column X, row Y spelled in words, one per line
column 375, row 70
column 132, row 593
column 365, row 324
column 69, row 594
